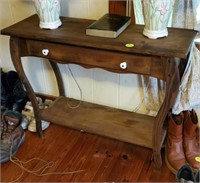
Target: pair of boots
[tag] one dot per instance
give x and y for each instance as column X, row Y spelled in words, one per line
column 13, row 95
column 182, row 145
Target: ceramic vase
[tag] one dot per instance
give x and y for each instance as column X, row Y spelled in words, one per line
column 49, row 13
column 157, row 14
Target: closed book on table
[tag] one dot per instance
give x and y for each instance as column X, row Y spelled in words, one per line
column 110, row 26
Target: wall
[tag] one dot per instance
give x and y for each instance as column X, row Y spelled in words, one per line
column 97, row 85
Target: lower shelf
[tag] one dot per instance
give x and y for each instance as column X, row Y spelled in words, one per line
column 102, row 120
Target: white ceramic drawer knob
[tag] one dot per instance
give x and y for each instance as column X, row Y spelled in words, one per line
column 45, row 52
column 123, row 65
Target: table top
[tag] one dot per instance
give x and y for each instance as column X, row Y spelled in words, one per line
column 72, row 32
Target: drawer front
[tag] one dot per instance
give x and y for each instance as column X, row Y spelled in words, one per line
column 109, row 60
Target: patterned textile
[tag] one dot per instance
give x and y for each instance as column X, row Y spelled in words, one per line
column 186, row 14
column 154, row 93
column 189, row 90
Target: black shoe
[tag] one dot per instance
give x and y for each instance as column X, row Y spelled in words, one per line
column 197, row 176
column 19, row 95
column 185, row 174
column 15, row 97
column 6, row 101
column 19, row 104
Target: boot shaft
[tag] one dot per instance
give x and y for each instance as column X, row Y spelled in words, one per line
column 190, row 141
column 190, row 124
column 175, row 126
column 175, row 157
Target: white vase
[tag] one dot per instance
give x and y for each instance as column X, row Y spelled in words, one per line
column 157, row 14
column 49, row 13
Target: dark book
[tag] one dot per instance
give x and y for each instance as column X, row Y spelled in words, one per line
column 110, row 25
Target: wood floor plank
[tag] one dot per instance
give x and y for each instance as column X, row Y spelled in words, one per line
column 80, row 151
column 147, row 169
column 92, row 163
column 58, row 152
column 104, row 170
column 137, row 160
column 102, row 159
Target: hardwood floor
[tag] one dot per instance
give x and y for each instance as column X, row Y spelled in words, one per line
column 99, row 159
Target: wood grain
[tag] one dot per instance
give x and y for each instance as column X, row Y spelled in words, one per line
column 118, row 124
column 102, row 159
column 69, row 44
column 72, row 32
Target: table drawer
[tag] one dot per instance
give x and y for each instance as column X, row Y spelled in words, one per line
column 114, row 61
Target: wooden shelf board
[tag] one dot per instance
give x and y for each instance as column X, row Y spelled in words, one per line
column 101, row 120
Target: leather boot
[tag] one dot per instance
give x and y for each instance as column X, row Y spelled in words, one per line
column 190, row 142
column 198, row 135
column 174, row 156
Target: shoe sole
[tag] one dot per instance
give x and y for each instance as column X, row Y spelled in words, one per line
column 174, row 171
column 33, row 128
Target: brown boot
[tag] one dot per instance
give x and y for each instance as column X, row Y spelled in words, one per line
column 174, row 156
column 190, row 143
column 198, row 136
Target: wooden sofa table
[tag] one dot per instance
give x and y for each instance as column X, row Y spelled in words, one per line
column 70, row 44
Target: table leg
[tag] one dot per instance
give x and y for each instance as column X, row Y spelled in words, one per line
column 16, row 50
column 58, row 77
column 172, row 85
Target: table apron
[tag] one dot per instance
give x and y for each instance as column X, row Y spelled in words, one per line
column 88, row 57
